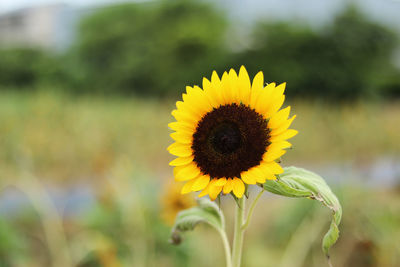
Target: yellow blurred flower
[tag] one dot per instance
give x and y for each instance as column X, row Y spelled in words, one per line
column 172, row 202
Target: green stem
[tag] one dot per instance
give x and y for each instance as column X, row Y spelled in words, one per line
column 250, row 213
column 238, row 234
column 228, row 257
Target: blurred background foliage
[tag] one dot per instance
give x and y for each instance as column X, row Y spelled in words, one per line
column 24, row 68
column 155, row 49
column 348, row 59
column 139, row 45
column 84, row 175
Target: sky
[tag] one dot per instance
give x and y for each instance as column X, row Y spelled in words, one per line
column 386, row 11
column 9, row 5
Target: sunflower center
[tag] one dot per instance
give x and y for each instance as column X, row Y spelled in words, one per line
column 226, row 138
column 229, row 140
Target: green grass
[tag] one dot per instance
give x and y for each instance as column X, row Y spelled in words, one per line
column 353, row 132
column 65, row 138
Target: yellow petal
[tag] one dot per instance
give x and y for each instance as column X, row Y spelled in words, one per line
column 216, row 84
column 273, row 101
column 284, row 136
column 201, row 182
column 265, row 173
column 274, row 147
column 283, row 127
column 244, row 86
column 182, row 137
column 187, row 107
column 264, row 100
column 214, row 192
column 258, row 174
column 276, row 105
column 283, row 144
column 186, row 172
column 279, row 118
column 220, row 182
column 182, row 127
column 258, row 81
column 261, row 179
column 238, row 187
column 215, row 79
column 280, row 89
column 181, row 161
column 228, row 186
column 202, row 99
column 272, row 155
column 180, row 150
column 272, row 167
column 184, row 116
column 226, row 89
column 279, row 145
column 205, row 191
column 212, row 182
column 277, row 92
column 206, row 84
column 249, row 177
column 212, row 93
column 187, row 188
column 234, row 86
column 196, row 100
column 256, row 88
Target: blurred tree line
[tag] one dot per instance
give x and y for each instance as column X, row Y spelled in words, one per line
column 157, row 48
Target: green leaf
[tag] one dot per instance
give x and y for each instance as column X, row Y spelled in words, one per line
column 298, row 182
column 206, row 212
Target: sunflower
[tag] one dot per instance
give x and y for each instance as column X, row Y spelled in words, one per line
column 229, row 134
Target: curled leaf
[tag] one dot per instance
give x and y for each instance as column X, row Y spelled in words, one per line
column 298, row 182
column 206, row 212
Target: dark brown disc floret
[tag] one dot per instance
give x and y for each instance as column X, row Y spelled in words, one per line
column 230, row 139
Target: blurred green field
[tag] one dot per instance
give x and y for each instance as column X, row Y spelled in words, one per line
column 117, row 147
column 67, row 139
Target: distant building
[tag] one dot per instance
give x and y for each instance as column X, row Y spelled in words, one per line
column 47, row 27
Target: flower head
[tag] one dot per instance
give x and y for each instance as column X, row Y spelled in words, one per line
column 229, row 134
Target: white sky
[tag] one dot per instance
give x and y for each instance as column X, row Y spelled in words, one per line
column 387, row 11
column 7, row 5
